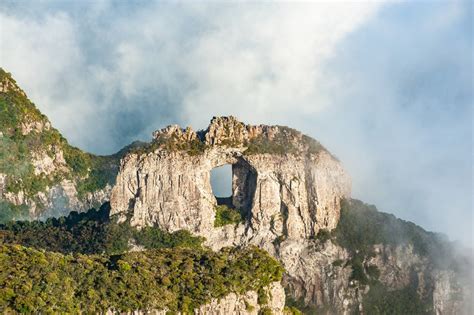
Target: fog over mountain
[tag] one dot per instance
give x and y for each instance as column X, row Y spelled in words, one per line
column 387, row 87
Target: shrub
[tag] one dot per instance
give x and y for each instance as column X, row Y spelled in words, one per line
column 299, row 307
column 177, row 273
column 323, row 235
column 226, row 215
column 373, row 272
column 381, row 300
column 291, row 310
column 262, row 298
column 338, row 262
column 265, row 311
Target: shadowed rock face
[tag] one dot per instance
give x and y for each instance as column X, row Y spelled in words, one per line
column 286, row 184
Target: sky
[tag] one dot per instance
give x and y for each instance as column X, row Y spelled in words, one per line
column 386, row 86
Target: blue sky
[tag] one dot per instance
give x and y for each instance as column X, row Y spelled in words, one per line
column 386, row 86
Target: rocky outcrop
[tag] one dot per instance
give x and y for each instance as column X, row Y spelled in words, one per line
column 288, row 188
column 8, row 84
column 58, row 200
column 236, row 304
column 286, row 185
column 3, row 184
column 317, row 274
column 247, row 303
column 291, row 193
column 34, row 126
column 320, row 274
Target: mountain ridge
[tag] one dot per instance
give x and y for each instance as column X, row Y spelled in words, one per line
column 40, row 172
column 291, row 199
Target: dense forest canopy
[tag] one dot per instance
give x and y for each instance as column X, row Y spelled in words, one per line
column 81, row 262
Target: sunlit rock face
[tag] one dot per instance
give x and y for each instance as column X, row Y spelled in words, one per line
column 285, row 184
column 287, row 187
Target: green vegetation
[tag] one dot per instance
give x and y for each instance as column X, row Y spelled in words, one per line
column 323, row 235
column 227, row 215
column 338, row 263
column 15, row 108
column 286, row 141
column 265, row 311
column 381, row 300
column 297, row 307
column 17, row 149
column 172, row 144
column 291, row 310
column 361, row 227
column 179, row 279
column 281, row 144
column 79, row 263
column 91, row 233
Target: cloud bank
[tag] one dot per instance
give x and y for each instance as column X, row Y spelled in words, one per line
column 387, row 87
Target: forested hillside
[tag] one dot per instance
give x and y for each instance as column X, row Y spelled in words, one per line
column 82, row 263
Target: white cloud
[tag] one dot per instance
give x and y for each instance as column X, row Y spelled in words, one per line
column 367, row 86
column 264, row 62
column 257, row 61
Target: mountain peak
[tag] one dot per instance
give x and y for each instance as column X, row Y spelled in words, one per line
column 229, row 132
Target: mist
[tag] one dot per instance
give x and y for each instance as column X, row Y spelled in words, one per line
column 386, row 87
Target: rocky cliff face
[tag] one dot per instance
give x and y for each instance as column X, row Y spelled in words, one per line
column 288, row 189
column 289, row 186
column 322, row 275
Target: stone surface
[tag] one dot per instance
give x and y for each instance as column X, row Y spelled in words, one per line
column 3, row 183
column 285, row 194
column 235, row 304
column 8, row 84
column 312, row 277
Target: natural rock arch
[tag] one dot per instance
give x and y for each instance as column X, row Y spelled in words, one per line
column 286, row 182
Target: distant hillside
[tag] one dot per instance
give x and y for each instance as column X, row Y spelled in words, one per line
column 41, row 174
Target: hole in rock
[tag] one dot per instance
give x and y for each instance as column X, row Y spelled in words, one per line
column 234, row 186
column 221, row 183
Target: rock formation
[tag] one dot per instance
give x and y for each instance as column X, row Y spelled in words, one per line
column 287, row 188
column 284, row 183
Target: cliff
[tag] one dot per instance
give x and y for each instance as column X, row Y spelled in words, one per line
column 41, row 175
column 284, row 183
column 287, row 196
